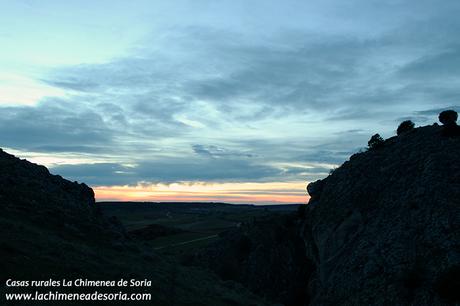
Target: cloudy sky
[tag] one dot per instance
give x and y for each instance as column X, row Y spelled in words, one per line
column 237, row 101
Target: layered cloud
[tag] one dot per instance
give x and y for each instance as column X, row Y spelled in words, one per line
column 241, row 92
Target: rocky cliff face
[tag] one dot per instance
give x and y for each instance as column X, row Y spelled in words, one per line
column 44, row 215
column 384, row 228
column 29, row 192
column 24, row 184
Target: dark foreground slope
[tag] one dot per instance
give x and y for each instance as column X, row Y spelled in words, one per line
column 51, row 228
column 383, row 229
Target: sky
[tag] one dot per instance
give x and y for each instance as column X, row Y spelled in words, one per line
column 234, row 101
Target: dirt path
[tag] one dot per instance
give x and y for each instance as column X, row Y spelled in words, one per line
column 186, row 242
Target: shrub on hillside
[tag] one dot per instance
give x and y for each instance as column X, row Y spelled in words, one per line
column 448, row 117
column 405, row 127
column 375, row 142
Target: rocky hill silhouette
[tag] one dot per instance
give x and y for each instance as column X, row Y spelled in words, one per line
column 29, row 190
column 382, row 229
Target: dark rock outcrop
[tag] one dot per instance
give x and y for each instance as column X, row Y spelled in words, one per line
column 385, row 229
column 27, row 185
column 315, row 188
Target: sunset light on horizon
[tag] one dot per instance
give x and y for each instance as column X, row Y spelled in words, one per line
column 247, row 193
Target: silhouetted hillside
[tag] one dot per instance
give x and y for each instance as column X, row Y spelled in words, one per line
column 384, row 228
column 27, row 186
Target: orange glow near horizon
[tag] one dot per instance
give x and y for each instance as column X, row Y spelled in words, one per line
column 258, row 193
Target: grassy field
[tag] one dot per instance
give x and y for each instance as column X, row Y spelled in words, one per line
column 201, row 223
